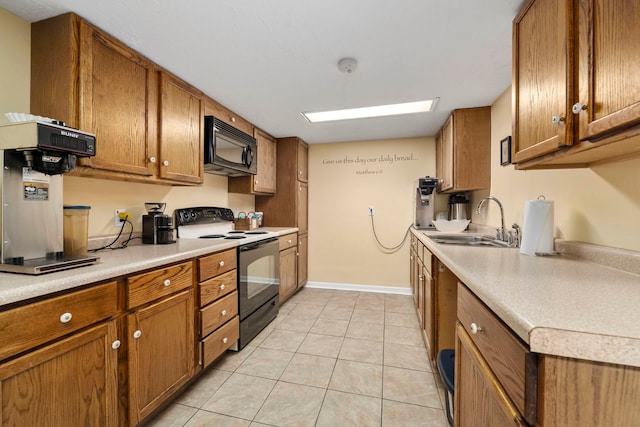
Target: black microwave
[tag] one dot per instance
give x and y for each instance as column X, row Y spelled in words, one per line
column 227, row 150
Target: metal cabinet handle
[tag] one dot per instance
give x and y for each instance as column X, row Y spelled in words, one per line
column 557, row 119
column 167, row 282
column 475, row 328
column 116, row 344
column 165, row 163
column 152, row 159
column 578, row 107
column 137, row 334
column 66, row 318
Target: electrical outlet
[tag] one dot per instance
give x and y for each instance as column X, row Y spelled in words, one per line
column 119, row 217
column 370, row 210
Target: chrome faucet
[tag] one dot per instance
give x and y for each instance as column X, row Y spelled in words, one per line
column 500, row 233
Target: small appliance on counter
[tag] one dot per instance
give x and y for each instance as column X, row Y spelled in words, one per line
column 425, row 194
column 34, row 155
column 458, row 206
column 157, row 228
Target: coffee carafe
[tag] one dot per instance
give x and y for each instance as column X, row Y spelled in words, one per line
column 157, row 228
column 458, row 205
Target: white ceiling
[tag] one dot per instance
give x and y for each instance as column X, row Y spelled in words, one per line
column 270, row 60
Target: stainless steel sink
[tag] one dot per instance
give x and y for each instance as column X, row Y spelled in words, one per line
column 467, row 240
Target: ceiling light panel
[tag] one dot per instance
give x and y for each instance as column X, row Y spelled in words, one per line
column 367, row 112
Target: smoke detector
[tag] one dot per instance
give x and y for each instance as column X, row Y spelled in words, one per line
column 347, row 65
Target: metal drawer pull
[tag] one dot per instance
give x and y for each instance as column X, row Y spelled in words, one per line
column 475, row 328
column 222, row 287
column 224, row 312
column 66, row 318
column 137, row 334
column 167, row 282
column 115, row 345
column 225, row 340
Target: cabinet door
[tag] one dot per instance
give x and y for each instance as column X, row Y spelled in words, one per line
column 479, row 399
column 73, row 382
column 265, row 180
column 541, row 73
column 428, row 326
column 609, row 82
column 288, row 278
column 446, row 153
column 303, row 259
column 181, row 123
column 303, row 161
column 302, row 206
column 118, row 98
column 161, row 352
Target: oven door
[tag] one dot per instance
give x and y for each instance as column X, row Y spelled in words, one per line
column 258, row 274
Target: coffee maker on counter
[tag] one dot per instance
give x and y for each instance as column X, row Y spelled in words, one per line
column 34, row 155
column 425, row 200
column 157, row 228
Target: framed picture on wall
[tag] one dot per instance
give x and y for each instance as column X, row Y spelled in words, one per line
column 505, row 151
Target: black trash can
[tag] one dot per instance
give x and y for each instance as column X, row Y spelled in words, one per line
column 446, row 364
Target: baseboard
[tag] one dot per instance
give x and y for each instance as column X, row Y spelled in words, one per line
column 359, row 288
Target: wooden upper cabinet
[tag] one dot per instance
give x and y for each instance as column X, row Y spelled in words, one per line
column 576, row 100
column 303, row 161
column 609, row 60
column 463, row 150
column 541, row 90
column 181, row 124
column 93, row 82
column 264, row 182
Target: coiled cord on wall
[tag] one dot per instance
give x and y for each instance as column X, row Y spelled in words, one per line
column 392, row 249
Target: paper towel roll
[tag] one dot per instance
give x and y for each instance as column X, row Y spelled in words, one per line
column 537, row 230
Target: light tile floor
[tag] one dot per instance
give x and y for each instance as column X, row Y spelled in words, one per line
column 330, row 358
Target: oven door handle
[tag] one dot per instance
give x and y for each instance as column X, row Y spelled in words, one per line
column 249, row 247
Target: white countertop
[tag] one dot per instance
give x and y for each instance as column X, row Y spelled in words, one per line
column 115, row 263
column 559, row 305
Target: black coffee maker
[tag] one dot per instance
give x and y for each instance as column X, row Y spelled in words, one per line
column 157, row 228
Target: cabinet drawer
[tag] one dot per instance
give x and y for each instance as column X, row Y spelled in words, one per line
column 215, row 264
column 34, row 324
column 220, row 340
column 150, row 286
column 213, row 289
column 218, row 313
column 509, row 359
column 288, row 240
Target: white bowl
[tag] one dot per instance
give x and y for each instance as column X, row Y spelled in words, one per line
column 453, row 226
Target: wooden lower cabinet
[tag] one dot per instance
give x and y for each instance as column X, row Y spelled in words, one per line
column 72, row 382
column 303, row 259
column 161, row 352
column 288, row 266
column 480, row 401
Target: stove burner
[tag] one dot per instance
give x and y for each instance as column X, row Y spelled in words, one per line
column 256, row 232
column 236, row 237
column 212, row 236
column 236, row 232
